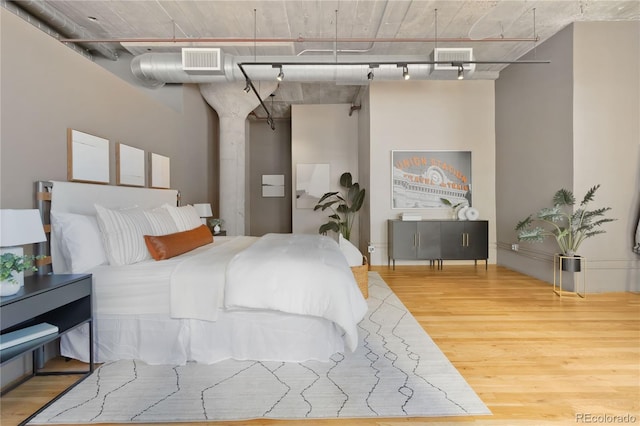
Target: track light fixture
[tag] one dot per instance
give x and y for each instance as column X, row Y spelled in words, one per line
column 405, row 72
column 280, row 75
column 460, row 72
column 370, row 74
column 247, row 87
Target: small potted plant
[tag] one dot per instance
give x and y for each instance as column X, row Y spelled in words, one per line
column 569, row 228
column 11, row 268
column 344, row 206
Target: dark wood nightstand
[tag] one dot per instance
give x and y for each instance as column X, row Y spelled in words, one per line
column 221, row 234
column 60, row 300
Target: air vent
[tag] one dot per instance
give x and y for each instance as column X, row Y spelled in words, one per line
column 452, row 55
column 201, row 60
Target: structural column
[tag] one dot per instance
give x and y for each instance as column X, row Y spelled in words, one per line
column 233, row 106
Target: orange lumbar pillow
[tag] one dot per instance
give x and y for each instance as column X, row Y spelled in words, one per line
column 170, row 245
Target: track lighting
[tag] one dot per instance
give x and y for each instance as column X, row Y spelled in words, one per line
column 405, row 72
column 280, row 75
column 370, row 75
column 460, row 72
column 247, row 87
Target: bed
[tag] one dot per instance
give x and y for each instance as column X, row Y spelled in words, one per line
column 281, row 297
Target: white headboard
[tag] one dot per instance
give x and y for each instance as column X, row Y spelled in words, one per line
column 80, row 198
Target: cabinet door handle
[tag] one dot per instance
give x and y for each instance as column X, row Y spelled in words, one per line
column 467, row 234
column 415, row 240
column 463, row 239
column 418, row 239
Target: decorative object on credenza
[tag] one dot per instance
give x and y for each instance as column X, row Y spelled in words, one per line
column 160, row 171
column 87, row 157
column 343, row 206
column 312, row 180
column 272, row 186
column 129, row 165
column 569, row 228
column 19, row 227
column 204, row 211
column 472, row 213
column 456, row 208
column 422, row 179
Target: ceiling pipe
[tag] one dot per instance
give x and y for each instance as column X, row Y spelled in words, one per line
column 62, row 25
column 159, row 68
column 298, row 40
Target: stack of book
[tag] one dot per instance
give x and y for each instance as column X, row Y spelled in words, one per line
column 26, row 334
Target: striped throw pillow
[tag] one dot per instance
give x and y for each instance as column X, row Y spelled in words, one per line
column 161, row 221
column 185, row 217
column 123, row 234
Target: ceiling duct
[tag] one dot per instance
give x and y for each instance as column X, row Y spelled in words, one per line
column 155, row 69
column 202, row 60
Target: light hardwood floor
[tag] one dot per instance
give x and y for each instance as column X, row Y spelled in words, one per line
column 532, row 357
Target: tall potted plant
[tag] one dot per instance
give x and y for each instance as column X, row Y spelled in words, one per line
column 569, row 228
column 343, row 206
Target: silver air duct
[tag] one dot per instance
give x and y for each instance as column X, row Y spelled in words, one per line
column 155, row 69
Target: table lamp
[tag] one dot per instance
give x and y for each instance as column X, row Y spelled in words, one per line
column 204, row 211
column 17, row 228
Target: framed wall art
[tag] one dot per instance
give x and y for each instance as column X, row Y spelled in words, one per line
column 272, row 186
column 87, row 157
column 421, row 179
column 160, row 171
column 312, row 182
column 129, row 165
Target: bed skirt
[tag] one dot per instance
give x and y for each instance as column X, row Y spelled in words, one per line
column 241, row 335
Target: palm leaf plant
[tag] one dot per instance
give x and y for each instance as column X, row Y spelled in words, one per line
column 569, row 228
column 343, row 206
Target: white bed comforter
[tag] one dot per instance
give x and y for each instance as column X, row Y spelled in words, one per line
column 197, row 282
column 299, row 274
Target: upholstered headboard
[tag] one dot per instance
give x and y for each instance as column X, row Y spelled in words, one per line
column 80, row 198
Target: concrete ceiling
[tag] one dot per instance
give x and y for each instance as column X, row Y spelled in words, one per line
column 372, row 28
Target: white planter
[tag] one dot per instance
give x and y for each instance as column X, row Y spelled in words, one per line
column 8, row 288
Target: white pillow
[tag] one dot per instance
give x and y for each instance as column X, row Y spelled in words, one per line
column 161, row 221
column 80, row 241
column 351, row 252
column 123, row 234
column 185, row 217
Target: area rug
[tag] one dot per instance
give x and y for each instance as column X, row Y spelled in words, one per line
column 397, row 371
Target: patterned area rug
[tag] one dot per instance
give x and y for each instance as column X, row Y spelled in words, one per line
column 397, row 371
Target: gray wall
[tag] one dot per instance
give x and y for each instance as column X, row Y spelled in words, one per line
column 573, row 124
column 270, row 154
column 534, row 147
column 46, row 88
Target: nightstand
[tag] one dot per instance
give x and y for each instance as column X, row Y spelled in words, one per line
column 60, row 300
column 221, row 234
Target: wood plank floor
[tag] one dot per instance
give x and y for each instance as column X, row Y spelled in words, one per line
column 532, row 357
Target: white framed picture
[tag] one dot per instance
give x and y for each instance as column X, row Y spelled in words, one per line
column 272, row 186
column 160, row 171
column 129, row 165
column 312, row 182
column 87, row 157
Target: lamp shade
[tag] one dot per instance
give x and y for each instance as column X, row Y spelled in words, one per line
column 204, row 209
column 19, row 227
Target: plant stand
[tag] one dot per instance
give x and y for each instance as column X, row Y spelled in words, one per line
column 558, row 260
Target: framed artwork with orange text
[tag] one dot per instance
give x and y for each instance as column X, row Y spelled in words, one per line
column 422, row 179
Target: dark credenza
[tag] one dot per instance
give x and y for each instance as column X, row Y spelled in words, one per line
column 438, row 240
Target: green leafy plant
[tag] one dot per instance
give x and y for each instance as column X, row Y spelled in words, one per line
column 454, row 207
column 343, row 206
column 10, row 263
column 569, row 228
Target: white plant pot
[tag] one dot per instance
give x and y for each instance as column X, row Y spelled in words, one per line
column 216, row 229
column 8, row 288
